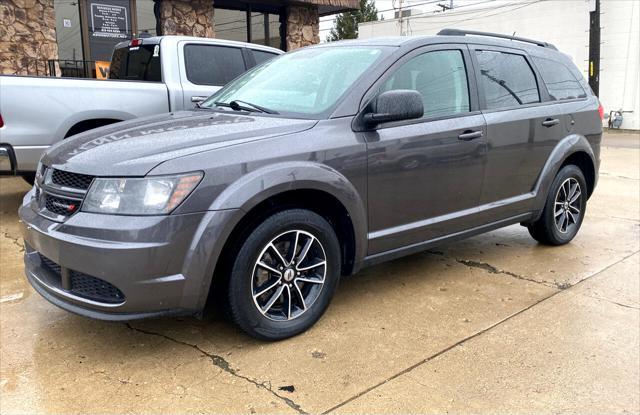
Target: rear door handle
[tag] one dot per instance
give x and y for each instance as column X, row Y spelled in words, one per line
column 470, row 135
column 550, row 122
column 198, row 99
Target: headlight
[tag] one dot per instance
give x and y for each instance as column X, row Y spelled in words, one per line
column 157, row 195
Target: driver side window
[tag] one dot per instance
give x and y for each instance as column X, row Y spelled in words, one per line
column 440, row 77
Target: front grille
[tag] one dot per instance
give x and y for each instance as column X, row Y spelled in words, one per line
column 50, row 265
column 73, row 180
column 94, row 288
column 61, row 206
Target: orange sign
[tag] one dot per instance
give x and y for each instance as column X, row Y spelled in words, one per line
column 102, row 69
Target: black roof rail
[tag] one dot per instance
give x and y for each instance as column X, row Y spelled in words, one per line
column 460, row 32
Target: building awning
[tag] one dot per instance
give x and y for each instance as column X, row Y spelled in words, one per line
column 331, row 6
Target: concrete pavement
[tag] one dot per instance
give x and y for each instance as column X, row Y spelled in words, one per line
column 496, row 323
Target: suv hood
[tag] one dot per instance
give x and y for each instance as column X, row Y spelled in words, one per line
column 133, row 148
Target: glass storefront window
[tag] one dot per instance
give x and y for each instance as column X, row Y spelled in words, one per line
column 231, row 24
column 145, row 18
column 68, row 30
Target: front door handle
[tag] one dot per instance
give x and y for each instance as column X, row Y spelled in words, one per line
column 550, row 122
column 470, row 135
column 198, row 99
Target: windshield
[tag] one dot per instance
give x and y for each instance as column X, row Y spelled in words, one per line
column 306, row 82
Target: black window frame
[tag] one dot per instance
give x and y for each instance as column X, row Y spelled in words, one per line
column 542, row 92
column 242, row 51
column 249, row 8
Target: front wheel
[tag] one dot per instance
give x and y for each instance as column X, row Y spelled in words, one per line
column 564, row 209
column 284, row 275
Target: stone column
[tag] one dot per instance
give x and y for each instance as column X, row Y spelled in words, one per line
column 186, row 17
column 303, row 26
column 27, row 37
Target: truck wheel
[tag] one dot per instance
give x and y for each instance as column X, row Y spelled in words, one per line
column 29, row 177
column 284, row 276
column 564, row 209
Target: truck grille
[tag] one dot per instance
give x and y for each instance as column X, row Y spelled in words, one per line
column 73, row 180
column 83, row 285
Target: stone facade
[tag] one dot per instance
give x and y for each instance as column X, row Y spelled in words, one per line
column 186, row 18
column 303, row 26
column 27, row 36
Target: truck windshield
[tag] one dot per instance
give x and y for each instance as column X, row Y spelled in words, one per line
column 138, row 63
column 305, row 82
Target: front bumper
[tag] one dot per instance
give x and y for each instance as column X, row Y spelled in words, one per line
column 159, row 265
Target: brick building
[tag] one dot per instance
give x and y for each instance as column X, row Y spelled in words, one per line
column 44, row 37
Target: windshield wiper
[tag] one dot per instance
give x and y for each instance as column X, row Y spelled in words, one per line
column 238, row 105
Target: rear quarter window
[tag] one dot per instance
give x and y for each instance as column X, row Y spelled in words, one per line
column 507, row 79
column 560, row 82
column 213, row 65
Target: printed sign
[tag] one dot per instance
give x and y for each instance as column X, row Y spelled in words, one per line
column 66, row 22
column 102, row 69
column 109, row 23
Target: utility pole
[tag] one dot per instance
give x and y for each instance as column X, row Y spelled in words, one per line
column 594, row 46
column 400, row 18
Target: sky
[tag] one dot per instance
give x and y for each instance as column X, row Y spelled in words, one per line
column 386, row 9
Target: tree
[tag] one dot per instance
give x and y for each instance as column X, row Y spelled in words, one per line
column 346, row 24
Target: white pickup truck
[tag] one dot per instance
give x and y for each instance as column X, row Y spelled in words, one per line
column 147, row 76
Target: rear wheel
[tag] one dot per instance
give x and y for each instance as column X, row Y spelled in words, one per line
column 564, row 209
column 284, row 275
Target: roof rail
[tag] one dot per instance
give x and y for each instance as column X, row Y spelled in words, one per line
column 460, row 32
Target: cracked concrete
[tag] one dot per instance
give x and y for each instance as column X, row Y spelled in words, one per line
column 496, row 323
column 220, row 362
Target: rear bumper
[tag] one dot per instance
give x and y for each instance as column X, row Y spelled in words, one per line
column 155, row 265
column 7, row 159
column 19, row 159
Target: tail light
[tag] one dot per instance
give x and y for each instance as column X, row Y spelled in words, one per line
column 1, row 122
column 601, row 111
column 135, row 42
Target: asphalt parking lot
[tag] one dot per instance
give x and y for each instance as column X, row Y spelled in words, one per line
column 496, row 323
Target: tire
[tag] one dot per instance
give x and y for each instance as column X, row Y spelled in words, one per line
column 29, row 177
column 271, row 297
column 561, row 219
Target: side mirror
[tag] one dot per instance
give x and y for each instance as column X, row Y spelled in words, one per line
column 396, row 105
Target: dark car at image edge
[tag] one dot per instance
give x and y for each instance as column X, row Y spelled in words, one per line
column 308, row 168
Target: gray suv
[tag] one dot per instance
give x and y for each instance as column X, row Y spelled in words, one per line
column 306, row 169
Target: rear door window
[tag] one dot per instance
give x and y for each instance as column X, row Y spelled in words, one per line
column 138, row 63
column 213, row 65
column 507, row 79
column 560, row 82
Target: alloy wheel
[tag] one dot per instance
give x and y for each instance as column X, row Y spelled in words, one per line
column 288, row 275
column 566, row 211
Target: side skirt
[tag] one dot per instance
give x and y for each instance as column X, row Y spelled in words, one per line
column 421, row 246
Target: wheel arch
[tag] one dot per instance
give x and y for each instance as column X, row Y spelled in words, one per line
column 303, row 185
column 573, row 149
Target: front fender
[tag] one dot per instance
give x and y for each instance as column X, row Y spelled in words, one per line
column 259, row 185
column 248, row 191
column 566, row 147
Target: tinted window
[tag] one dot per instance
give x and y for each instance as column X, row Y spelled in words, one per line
column 138, row 63
column 212, row 65
column 262, row 56
column 561, row 83
column 507, row 79
column 441, row 79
